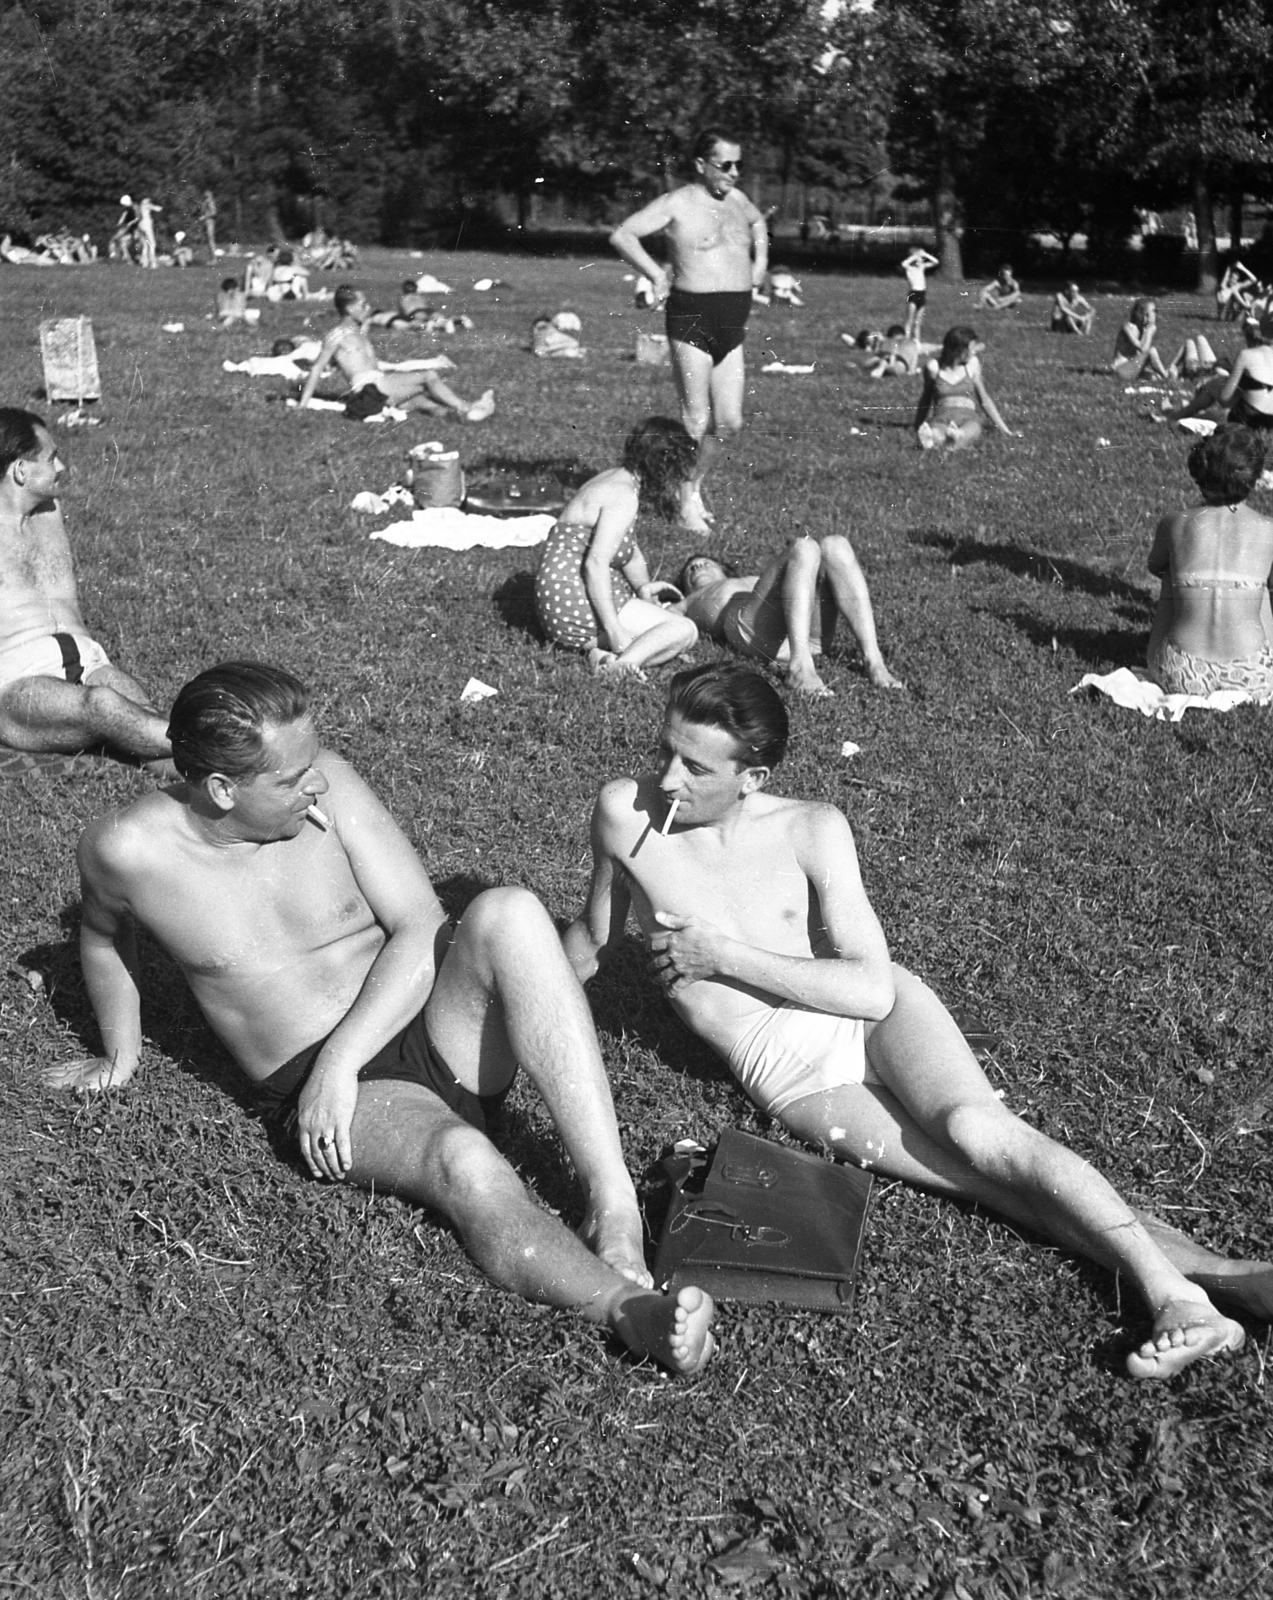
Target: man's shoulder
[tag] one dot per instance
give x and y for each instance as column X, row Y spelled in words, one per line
column 122, row 842
column 805, row 822
column 617, row 799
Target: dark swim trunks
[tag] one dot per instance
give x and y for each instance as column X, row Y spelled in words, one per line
column 369, row 401
column 409, row 1057
column 1244, row 412
column 713, row 323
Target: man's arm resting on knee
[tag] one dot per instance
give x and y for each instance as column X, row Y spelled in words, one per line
column 856, row 982
column 605, row 913
column 396, row 887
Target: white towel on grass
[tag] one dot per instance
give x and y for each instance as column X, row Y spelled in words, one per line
column 388, row 414
column 1138, row 693
column 452, row 529
column 783, row 366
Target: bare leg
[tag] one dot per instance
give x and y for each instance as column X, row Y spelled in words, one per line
column 845, row 578
column 780, row 608
column 506, row 994
column 933, row 1120
column 963, row 435
column 406, row 1141
column 45, row 713
column 692, row 370
column 663, row 635
column 410, row 389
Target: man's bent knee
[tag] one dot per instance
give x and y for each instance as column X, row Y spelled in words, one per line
column 508, row 912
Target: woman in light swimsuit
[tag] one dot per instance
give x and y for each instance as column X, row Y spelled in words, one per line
column 1249, row 391
column 593, row 590
column 1213, row 628
column 953, row 392
column 1134, row 344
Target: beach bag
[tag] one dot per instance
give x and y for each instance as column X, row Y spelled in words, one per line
column 434, row 476
column 763, row 1223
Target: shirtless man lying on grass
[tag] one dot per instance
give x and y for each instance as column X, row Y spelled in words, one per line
column 371, row 389
column 375, row 1036
column 771, row 616
column 58, row 689
column 760, row 928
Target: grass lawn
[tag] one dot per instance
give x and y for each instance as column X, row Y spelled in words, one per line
column 221, row 1379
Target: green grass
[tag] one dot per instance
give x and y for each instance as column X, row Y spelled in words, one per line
column 221, row 1379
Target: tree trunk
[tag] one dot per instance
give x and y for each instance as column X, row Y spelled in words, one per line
column 1204, row 216
column 1236, row 198
column 946, row 218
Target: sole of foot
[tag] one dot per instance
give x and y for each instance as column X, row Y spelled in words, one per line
column 1184, row 1333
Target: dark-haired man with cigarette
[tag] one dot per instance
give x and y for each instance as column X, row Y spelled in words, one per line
column 753, row 907
column 376, row 1037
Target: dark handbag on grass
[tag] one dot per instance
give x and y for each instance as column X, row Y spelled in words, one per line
column 767, row 1224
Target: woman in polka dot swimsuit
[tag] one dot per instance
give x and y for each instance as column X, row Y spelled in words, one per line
column 593, row 591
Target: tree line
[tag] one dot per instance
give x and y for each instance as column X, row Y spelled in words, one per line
column 397, row 120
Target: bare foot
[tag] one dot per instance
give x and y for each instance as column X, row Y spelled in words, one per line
column 614, row 1235
column 599, row 658
column 610, row 665
column 805, row 680
column 88, row 1075
column 674, row 1330
column 482, row 409
column 882, row 678
column 927, row 435
column 1184, row 1331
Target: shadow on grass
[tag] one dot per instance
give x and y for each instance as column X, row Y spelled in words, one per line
column 1043, row 568
column 1106, row 648
column 515, row 602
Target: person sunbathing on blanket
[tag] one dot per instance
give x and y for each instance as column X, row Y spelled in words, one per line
column 753, row 907
column 1213, row 628
column 371, row 389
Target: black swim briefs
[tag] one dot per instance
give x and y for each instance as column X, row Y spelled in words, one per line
column 917, row 298
column 713, row 323
column 409, row 1057
column 366, row 402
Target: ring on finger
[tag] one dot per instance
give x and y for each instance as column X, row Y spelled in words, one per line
column 325, row 1141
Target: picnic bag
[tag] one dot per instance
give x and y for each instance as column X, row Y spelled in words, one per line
column 764, row 1223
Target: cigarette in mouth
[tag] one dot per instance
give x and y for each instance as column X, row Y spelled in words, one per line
column 320, row 817
column 667, row 821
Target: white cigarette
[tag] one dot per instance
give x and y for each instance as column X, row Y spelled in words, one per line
column 667, row 821
column 320, row 817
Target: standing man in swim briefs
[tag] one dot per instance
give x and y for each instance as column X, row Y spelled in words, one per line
column 917, row 266
column 761, row 931
column 718, row 249
column 58, row 689
column 376, row 1038
column 349, row 346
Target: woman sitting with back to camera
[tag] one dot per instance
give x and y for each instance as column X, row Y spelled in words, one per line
column 593, row 590
column 1213, row 628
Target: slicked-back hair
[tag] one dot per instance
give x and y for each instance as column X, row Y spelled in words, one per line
column 346, row 294
column 661, row 455
column 218, row 720
column 18, row 439
column 1227, row 466
column 740, row 701
column 706, row 141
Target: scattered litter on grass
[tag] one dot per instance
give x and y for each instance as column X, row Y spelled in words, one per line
column 1102, row 444
column 372, row 504
column 426, row 283
column 1141, row 388
column 848, row 748
column 1136, row 692
column 77, row 419
column 174, row 327
column 483, row 284
column 787, row 367
column 453, row 529
column 475, row 690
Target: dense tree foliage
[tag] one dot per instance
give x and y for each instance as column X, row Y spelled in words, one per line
column 384, row 118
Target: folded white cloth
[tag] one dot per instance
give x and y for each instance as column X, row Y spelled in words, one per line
column 453, row 529
column 1137, row 693
column 388, row 414
column 782, row 366
column 266, row 367
column 1202, row 426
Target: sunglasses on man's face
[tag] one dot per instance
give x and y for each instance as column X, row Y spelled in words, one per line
column 725, row 166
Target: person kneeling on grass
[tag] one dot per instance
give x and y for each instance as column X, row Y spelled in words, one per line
column 1213, row 628
column 371, row 390
column 953, row 389
column 593, row 590
column 375, row 1036
column 772, row 616
column 58, row 689
column 753, row 907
